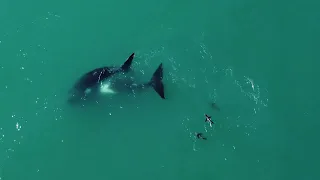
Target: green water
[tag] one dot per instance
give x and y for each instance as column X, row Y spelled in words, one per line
column 258, row 60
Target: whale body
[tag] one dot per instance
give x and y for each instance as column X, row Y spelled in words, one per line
column 112, row 80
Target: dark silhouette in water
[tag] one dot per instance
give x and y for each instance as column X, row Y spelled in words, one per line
column 214, row 106
column 93, row 82
column 200, row 136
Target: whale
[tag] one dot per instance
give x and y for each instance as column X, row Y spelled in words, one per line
column 113, row 80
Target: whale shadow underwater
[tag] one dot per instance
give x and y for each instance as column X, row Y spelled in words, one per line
column 112, row 80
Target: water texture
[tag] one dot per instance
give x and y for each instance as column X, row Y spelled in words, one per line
column 257, row 61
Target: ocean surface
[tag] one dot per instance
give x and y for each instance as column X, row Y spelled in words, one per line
column 258, row 61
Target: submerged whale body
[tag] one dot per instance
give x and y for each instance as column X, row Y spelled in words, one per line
column 123, row 83
column 94, row 82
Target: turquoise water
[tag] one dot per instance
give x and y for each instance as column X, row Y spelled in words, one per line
column 256, row 60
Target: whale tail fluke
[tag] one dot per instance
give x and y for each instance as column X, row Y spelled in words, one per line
column 156, row 81
column 126, row 65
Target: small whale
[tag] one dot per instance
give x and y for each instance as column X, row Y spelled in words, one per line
column 200, row 136
column 90, row 81
column 208, row 119
column 214, row 106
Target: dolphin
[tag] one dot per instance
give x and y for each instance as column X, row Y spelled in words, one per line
column 110, row 80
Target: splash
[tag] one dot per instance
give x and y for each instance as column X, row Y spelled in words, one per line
column 199, row 77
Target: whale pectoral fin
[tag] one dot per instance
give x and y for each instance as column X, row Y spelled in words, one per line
column 159, row 88
column 126, row 66
column 156, row 81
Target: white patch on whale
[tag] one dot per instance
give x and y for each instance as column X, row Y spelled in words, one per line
column 105, row 88
column 87, row 91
